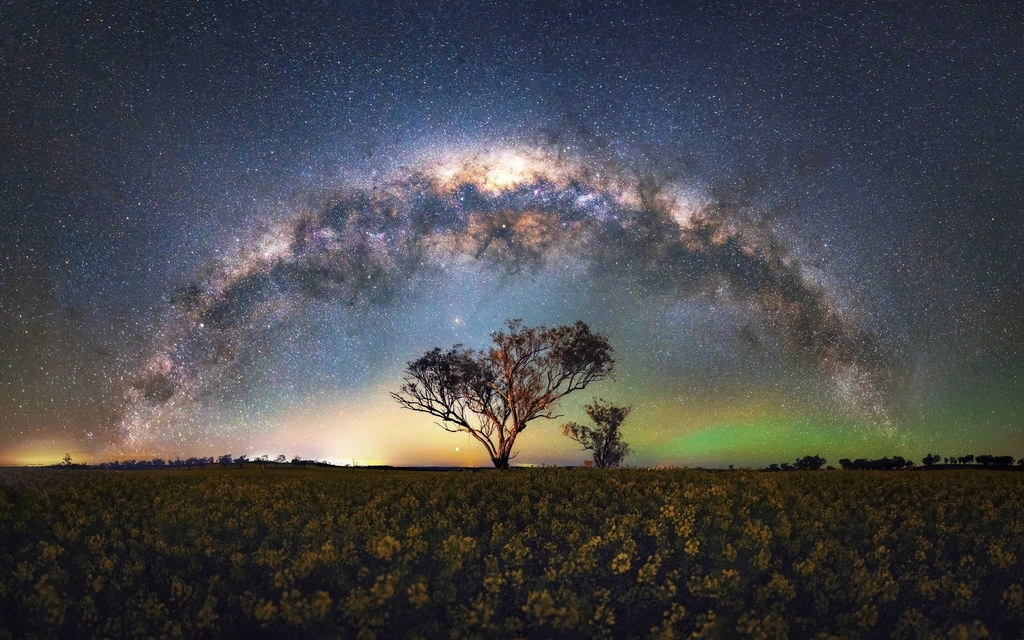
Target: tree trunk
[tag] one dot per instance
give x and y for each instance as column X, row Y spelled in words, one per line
column 501, row 462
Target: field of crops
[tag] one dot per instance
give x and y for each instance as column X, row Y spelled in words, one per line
column 524, row 553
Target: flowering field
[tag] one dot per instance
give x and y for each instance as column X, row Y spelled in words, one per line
column 538, row 553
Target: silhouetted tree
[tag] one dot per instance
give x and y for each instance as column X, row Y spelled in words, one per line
column 604, row 439
column 886, row 463
column 930, row 459
column 809, row 463
column 989, row 460
column 66, row 461
column 494, row 395
column 281, row 459
column 225, row 460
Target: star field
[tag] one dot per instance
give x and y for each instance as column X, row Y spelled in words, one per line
column 228, row 228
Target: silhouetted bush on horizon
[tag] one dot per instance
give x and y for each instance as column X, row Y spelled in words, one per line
column 886, row 463
column 806, row 463
column 984, row 460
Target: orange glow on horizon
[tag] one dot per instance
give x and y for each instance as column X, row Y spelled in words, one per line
column 42, row 453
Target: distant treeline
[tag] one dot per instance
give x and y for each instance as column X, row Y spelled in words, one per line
column 226, row 461
column 895, row 462
column 984, row 460
column 814, row 463
column 806, row 463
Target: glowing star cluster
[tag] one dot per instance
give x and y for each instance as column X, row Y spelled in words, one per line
column 512, row 210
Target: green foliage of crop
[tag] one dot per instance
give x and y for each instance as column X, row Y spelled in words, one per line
column 531, row 553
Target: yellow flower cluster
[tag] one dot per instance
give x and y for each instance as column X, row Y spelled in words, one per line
column 522, row 553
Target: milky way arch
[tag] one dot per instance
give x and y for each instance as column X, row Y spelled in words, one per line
column 513, row 210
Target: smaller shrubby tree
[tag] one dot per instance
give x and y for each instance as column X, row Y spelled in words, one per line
column 604, row 439
column 930, row 459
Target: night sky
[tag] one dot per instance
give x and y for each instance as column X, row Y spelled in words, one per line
column 228, row 228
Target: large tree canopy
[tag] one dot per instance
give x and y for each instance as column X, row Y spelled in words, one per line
column 494, row 394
